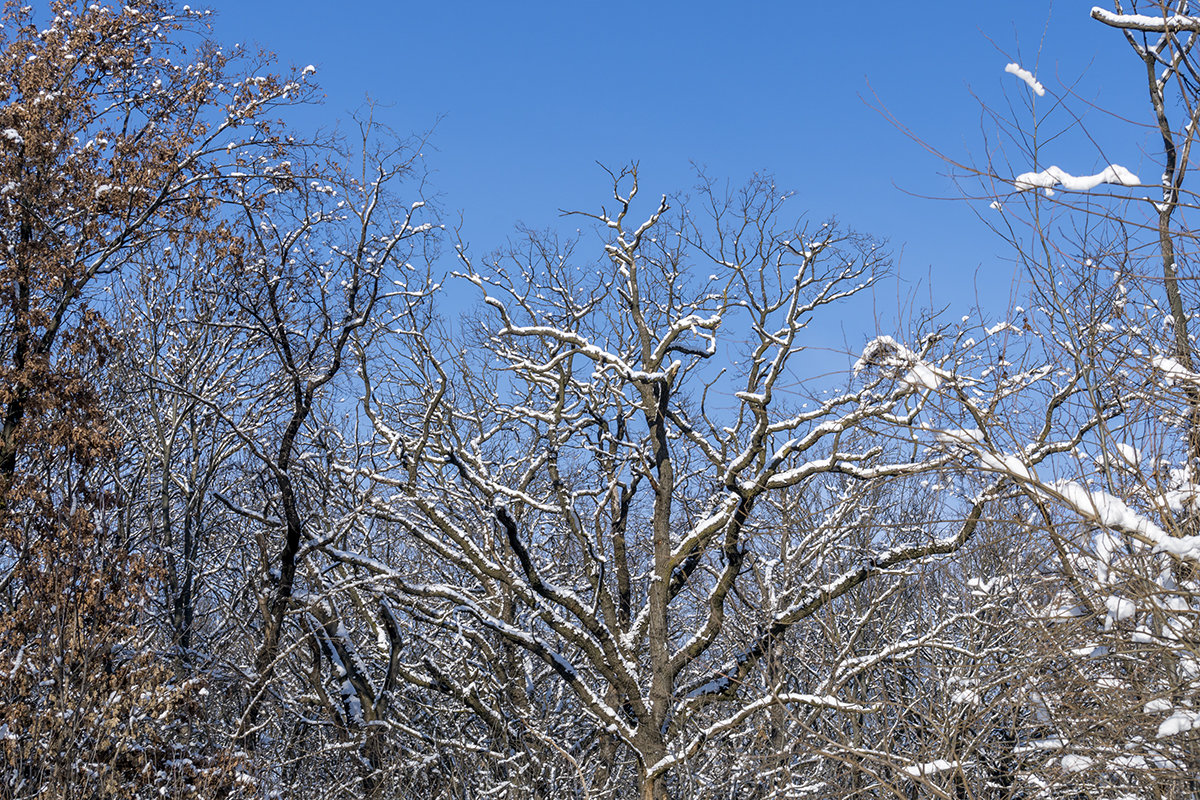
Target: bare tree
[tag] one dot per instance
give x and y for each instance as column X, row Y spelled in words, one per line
column 593, row 480
column 315, row 245
column 1105, row 623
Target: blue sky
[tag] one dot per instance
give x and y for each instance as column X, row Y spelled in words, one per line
column 526, row 97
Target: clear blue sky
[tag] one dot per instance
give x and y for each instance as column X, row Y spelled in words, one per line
column 530, row 95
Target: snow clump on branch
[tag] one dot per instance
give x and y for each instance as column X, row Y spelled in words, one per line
column 887, row 352
column 1027, row 76
column 1053, row 176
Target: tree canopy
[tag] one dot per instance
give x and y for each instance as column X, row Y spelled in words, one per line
column 273, row 523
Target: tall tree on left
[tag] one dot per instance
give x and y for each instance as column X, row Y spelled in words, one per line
column 118, row 124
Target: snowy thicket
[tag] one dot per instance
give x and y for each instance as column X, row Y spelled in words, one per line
column 277, row 525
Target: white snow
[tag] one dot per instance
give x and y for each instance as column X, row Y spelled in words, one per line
column 922, row 376
column 1053, row 743
column 12, row 135
column 1144, row 22
column 1054, row 176
column 1000, row 327
column 1182, row 546
column 1173, row 369
column 1062, row 607
column 1027, row 76
column 987, row 585
column 960, row 436
column 1076, row 763
column 1181, row 721
column 1119, row 608
column 1011, row 465
column 884, row 350
column 931, row 768
column 1112, row 512
column 1129, row 453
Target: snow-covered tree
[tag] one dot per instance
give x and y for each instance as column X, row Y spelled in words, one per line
column 114, row 128
column 613, row 507
column 1102, row 698
column 635, row 524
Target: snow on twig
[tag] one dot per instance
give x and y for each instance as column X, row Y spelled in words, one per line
column 1027, row 76
column 1173, row 370
column 1053, row 176
column 930, row 768
column 1112, row 512
column 1143, row 22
